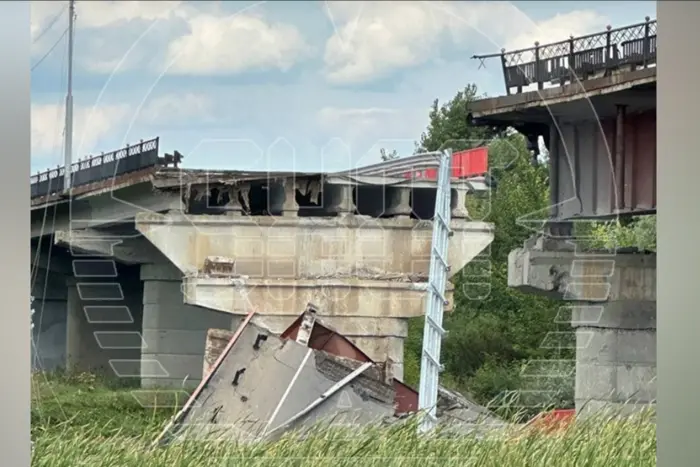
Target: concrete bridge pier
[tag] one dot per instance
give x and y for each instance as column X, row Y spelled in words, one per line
column 174, row 332
column 104, row 315
column 616, row 356
column 125, row 314
column 611, row 304
column 50, row 319
column 360, row 253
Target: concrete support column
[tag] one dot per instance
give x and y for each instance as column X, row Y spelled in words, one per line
column 174, row 333
column 398, row 202
column 234, row 206
column 290, row 207
column 339, row 199
column 459, row 204
column 281, row 198
column 49, row 333
column 104, row 325
column 616, row 356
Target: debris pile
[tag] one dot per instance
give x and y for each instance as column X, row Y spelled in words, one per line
column 258, row 385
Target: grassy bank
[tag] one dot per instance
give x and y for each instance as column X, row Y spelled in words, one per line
column 78, row 421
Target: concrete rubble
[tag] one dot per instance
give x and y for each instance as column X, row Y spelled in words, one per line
column 258, row 385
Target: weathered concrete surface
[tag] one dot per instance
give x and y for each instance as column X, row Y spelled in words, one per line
column 174, row 332
column 50, row 308
column 124, row 246
column 49, row 336
column 285, row 297
column 616, row 355
column 455, row 412
column 611, row 303
column 583, row 277
column 253, row 404
column 308, row 246
column 104, row 325
column 113, row 203
column 586, row 89
column 350, row 266
column 371, row 313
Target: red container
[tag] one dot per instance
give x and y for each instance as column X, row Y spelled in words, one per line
column 465, row 164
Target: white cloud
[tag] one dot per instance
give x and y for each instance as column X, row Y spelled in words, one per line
column 197, row 37
column 95, row 15
column 172, row 109
column 90, row 124
column 354, row 121
column 558, row 28
column 231, row 44
column 367, row 130
column 374, row 38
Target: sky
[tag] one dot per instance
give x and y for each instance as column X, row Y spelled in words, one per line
column 280, row 85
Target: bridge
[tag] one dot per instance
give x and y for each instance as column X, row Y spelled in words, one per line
column 593, row 101
column 143, row 257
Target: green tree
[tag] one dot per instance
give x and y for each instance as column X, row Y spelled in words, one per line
column 449, row 126
column 639, row 232
column 388, row 156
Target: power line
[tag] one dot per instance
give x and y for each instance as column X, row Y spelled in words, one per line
column 50, row 50
column 49, row 25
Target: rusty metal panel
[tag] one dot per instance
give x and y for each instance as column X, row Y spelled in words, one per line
column 583, row 155
column 406, row 400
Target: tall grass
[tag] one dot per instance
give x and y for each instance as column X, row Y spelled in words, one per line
column 76, row 424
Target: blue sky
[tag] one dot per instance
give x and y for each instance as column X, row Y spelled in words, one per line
column 278, row 85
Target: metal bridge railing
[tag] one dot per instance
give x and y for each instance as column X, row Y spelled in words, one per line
column 98, row 168
column 578, row 57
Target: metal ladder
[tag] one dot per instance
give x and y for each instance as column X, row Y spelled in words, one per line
column 435, row 301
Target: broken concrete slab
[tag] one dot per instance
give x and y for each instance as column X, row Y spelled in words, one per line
column 265, row 385
column 453, row 409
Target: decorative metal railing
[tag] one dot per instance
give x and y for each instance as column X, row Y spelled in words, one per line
column 97, row 168
column 578, row 57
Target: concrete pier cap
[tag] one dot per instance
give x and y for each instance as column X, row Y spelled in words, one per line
column 364, row 264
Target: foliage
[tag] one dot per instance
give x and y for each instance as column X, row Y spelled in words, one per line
column 387, row 156
column 639, row 232
column 449, row 125
column 83, row 439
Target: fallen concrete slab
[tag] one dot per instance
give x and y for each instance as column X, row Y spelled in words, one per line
column 258, row 385
column 265, row 385
column 453, row 409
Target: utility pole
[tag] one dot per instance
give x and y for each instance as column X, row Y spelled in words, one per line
column 68, row 141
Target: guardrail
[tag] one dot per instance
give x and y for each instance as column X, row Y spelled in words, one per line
column 98, row 168
column 578, row 57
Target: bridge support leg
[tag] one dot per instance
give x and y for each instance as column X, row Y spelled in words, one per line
column 611, row 304
column 615, row 356
column 174, row 333
column 104, row 325
column 49, row 333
